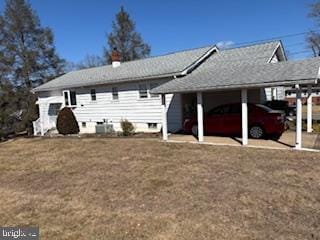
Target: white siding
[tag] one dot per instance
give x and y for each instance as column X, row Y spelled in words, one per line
column 129, row 106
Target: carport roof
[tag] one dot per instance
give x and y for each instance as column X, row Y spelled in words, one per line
column 211, row 76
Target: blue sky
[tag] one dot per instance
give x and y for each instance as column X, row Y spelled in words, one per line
column 80, row 26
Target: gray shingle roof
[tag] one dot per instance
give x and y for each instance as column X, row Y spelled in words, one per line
column 161, row 66
column 212, row 76
column 153, row 67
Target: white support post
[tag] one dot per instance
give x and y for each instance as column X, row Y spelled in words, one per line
column 200, row 116
column 298, row 118
column 244, row 107
column 41, row 124
column 164, row 118
column 309, row 110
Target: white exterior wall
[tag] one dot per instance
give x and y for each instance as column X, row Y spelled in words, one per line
column 43, row 102
column 275, row 93
column 139, row 111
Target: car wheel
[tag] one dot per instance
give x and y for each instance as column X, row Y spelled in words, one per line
column 194, row 130
column 256, row 132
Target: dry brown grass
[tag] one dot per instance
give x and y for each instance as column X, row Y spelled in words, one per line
column 145, row 189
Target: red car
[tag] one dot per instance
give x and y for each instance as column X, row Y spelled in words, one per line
column 226, row 120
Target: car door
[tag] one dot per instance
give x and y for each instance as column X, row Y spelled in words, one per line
column 214, row 120
column 232, row 120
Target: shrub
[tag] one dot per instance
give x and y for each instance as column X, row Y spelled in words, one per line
column 127, row 127
column 66, row 122
column 316, row 127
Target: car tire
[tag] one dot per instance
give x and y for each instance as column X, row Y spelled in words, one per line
column 256, row 132
column 194, row 130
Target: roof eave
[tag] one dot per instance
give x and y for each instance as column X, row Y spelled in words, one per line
column 238, row 86
column 168, row 75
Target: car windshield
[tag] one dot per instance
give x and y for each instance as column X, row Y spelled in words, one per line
column 265, row 108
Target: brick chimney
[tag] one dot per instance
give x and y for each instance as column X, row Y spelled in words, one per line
column 115, row 58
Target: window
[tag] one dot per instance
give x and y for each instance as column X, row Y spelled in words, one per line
column 93, row 95
column 143, row 92
column 219, row 110
column 70, row 98
column 54, row 109
column 66, row 98
column 115, row 93
column 235, row 108
column 154, row 85
column 264, row 108
column 152, row 125
column 73, row 98
column 84, row 124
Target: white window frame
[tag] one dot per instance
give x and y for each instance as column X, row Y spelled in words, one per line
column 69, row 98
column 147, row 92
column 115, row 92
column 152, row 125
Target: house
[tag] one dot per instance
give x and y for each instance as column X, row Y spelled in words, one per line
column 290, row 96
column 189, row 82
column 122, row 90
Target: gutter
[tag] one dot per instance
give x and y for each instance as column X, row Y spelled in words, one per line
column 124, row 80
column 238, row 86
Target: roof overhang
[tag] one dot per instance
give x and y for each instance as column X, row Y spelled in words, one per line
column 287, row 73
column 124, row 80
column 243, row 86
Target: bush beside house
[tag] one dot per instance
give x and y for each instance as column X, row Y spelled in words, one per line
column 127, row 127
column 67, row 122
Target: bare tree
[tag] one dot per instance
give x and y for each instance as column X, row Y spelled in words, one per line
column 313, row 41
column 90, row 61
column 313, row 38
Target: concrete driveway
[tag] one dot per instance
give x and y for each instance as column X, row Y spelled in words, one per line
column 286, row 141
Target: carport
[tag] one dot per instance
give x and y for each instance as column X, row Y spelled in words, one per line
column 210, row 78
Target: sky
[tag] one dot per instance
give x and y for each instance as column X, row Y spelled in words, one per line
column 80, row 26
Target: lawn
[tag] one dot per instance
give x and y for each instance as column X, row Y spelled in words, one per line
column 145, row 189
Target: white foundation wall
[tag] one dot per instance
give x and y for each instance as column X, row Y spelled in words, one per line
column 139, row 111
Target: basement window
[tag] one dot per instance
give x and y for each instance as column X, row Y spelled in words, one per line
column 143, row 92
column 152, row 125
column 84, row 124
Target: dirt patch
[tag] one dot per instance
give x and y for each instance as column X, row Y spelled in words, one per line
column 144, row 189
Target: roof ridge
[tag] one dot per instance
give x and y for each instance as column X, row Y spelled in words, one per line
column 136, row 60
column 179, row 51
column 251, row 45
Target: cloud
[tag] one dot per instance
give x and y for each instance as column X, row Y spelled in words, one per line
column 225, row 44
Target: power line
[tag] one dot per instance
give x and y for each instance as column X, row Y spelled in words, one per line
column 300, row 52
column 276, row 38
column 295, row 44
